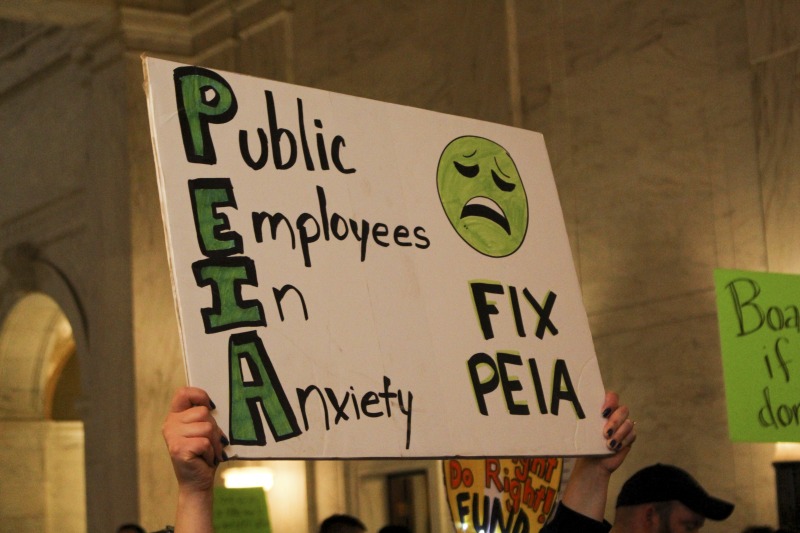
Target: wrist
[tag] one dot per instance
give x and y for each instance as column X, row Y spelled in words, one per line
column 592, row 470
column 195, row 510
column 191, row 495
column 587, row 488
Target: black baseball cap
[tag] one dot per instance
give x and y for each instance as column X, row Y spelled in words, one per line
column 663, row 483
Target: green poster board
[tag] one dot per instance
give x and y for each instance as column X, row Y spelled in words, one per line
column 240, row 510
column 760, row 338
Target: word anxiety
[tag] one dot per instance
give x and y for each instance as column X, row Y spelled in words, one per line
column 255, row 388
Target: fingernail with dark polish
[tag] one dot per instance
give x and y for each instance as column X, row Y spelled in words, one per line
column 606, row 412
column 224, row 440
column 618, row 446
column 610, row 432
column 213, row 405
column 612, row 444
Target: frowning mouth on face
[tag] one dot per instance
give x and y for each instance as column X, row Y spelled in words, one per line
column 483, row 207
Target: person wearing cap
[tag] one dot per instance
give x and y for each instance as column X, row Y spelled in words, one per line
column 671, row 495
column 657, row 499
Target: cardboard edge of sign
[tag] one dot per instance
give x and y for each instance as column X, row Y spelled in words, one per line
column 164, row 223
column 145, row 58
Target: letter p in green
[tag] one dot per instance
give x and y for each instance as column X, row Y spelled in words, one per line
column 203, row 98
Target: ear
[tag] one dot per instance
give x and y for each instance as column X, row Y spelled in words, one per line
column 650, row 515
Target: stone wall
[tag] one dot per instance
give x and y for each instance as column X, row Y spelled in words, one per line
column 43, row 480
column 670, row 127
column 64, row 228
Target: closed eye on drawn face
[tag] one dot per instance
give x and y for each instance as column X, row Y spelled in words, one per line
column 468, row 171
column 501, row 183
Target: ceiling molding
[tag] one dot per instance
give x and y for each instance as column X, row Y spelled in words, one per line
column 65, row 13
column 73, row 30
column 151, row 30
column 191, row 35
column 49, row 46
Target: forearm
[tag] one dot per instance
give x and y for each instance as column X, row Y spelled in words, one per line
column 195, row 442
column 568, row 521
column 587, row 489
column 195, row 512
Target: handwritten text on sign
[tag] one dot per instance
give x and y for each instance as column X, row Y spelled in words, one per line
column 759, row 321
column 359, row 279
column 497, row 494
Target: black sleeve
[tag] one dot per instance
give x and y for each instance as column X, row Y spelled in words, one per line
column 566, row 520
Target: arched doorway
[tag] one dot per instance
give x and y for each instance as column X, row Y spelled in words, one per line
column 41, row 434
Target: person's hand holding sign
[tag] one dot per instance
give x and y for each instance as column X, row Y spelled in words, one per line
column 195, row 443
column 619, row 431
column 587, row 489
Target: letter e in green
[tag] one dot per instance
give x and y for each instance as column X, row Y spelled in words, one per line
column 214, row 235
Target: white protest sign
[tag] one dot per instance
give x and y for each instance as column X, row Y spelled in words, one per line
column 361, row 279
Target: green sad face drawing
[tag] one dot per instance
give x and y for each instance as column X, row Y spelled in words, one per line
column 483, row 196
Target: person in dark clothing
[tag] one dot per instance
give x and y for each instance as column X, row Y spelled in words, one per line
column 657, row 499
column 394, row 529
column 130, row 528
column 342, row 523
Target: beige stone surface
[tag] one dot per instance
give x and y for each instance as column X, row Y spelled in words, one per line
column 65, row 486
column 158, row 360
column 42, row 485
column 672, row 128
column 773, row 28
column 647, row 110
column 446, row 56
column 778, row 116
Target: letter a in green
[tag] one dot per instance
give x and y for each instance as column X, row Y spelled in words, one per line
column 259, row 391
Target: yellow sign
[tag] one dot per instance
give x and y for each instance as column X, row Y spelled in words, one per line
column 502, row 495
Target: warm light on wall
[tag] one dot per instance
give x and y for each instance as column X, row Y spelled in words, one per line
column 247, row 476
column 287, row 499
column 787, row 452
